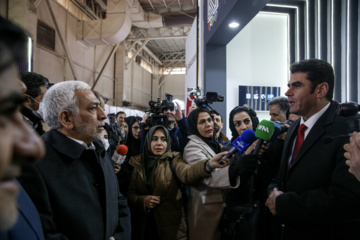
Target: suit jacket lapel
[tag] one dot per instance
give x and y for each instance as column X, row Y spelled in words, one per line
column 316, row 132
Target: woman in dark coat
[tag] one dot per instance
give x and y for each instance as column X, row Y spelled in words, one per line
column 154, row 195
column 133, row 143
column 245, row 216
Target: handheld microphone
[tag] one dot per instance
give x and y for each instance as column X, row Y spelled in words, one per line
column 278, row 129
column 120, row 154
column 264, row 132
column 348, row 109
column 240, row 143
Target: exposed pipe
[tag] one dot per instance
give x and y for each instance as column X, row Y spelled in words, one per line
column 112, row 30
column 63, row 43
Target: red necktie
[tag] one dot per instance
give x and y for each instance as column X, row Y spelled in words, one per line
column 299, row 142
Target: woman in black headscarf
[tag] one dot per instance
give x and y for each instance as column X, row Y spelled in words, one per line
column 245, row 214
column 154, row 193
column 207, row 198
column 133, row 143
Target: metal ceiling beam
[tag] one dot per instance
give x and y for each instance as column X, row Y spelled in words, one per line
column 152, row 5
column 137, row 52
column 157, row 38
column 165, row 4
column 153, row 56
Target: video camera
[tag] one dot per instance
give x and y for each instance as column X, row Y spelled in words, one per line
column 209, row 98
column 157, row 108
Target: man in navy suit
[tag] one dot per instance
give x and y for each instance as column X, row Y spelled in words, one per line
column 314, row 196
column 19, row 144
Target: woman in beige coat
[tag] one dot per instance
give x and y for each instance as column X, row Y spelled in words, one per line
column 207, row 198
column 155, row 199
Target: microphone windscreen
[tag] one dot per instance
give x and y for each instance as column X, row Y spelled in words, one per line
column 122, row 150
column 277, row 131
column 248, row 136
column 265, row 130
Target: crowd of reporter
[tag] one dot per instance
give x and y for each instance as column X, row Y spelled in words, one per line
column 177, row 180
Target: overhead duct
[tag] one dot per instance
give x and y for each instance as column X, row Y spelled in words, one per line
column 152, row 20
column 114, row 29
column 143, row 19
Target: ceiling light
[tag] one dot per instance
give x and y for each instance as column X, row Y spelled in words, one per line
column 234, row 24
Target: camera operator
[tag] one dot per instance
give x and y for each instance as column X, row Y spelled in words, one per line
column 179, row 132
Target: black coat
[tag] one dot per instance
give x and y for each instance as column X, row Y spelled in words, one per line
column 76, row 191
column 248, row 200
column 28, row 225
column 321, row 198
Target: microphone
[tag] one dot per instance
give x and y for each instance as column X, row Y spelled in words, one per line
column 240, row 143
column 348, row 109
column 278, row 129
column 264, row 132
column 120, row 154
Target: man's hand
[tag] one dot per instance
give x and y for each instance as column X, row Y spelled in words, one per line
column 251, row 148
column 152, row 201
column 283, row 135
column 178, row 114
column 143, row 120
column 352, row 155
column 271, row 201
column 117, row 167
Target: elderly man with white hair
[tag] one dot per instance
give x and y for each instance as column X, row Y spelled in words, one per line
column 74, row 187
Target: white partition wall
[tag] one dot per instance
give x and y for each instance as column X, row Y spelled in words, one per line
column 258, row 56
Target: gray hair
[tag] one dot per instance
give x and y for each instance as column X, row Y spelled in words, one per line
column 282, row 102
column 61, row 97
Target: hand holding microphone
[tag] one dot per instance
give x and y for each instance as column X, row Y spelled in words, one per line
column 120, row 154
column 265, row 132
column 240, row 143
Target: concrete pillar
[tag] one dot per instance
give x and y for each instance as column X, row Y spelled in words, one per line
column 119, row 75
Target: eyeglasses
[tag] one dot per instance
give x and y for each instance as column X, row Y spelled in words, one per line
column 34, row 99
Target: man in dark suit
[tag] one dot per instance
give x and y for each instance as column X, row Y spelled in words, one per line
column 19, row 144
column 74, row 187
column 314, row 196
column 36, row 87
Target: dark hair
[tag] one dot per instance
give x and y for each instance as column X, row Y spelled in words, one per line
column 14, row 39
column 238, row 109
column 216, row 113
column 318, row 71
column 120, row 112
column 33, row 82
column 193, row 117
column 282, row 102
